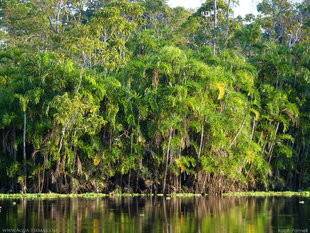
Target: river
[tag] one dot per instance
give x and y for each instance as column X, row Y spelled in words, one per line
column 156, row 215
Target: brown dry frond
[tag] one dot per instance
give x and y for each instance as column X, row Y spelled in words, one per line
column 155, row 78
column 289, row 113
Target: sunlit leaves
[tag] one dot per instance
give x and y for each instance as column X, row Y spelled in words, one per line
column 221, row 87
column 257, row 114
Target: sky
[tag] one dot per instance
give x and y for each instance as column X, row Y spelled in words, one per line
column 245, row 6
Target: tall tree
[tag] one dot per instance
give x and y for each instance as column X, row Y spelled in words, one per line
column 214, row 26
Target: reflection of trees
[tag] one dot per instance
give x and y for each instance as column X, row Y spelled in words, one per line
column 156, row 214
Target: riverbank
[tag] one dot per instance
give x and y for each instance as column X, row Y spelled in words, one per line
column 96, row 195
column 267, row 194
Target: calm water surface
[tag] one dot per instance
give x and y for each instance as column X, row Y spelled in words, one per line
column 157, row 214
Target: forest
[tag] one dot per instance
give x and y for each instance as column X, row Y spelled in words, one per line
column 138, row 97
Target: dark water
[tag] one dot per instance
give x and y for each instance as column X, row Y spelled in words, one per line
column 156, row 214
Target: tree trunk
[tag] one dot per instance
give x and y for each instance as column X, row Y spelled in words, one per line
column 104, row 61
column 273, row 143
column 167, row 157
column 131, row 142
column 260, row 137
column 57, row 16
column 253, row 129
column 277, row 83
column 214, row 26
column 241, row 127
column 201, row 139
column 227, row 22
column 81, row 77
column 24, row 155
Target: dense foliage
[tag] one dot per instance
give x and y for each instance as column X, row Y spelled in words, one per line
column 137, row 97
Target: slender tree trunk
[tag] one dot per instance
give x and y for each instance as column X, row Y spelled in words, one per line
column 253, row 129
column 104, row 61
column 39, row 181
column 214, row 26
column 167, row 157
column 273, row 27
column 227, row 22
column 239, row 131
column 63, row 131
column 201, row 138
column 124, row 54
column 273, row 144
column 24, row 153
column 260, row 137
column 13, row 149
column 57, row 16
column 81, row 77
column 131, row 142
column 56, row 29
column 274, row 19
column 110, row 141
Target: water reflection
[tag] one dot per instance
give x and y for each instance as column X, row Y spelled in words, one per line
column 157, row 214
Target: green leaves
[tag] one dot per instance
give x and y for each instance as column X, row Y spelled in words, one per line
column 78, row 113
column 172, row 61
column 186, row 164
column 134, row 89
column 23, row 101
